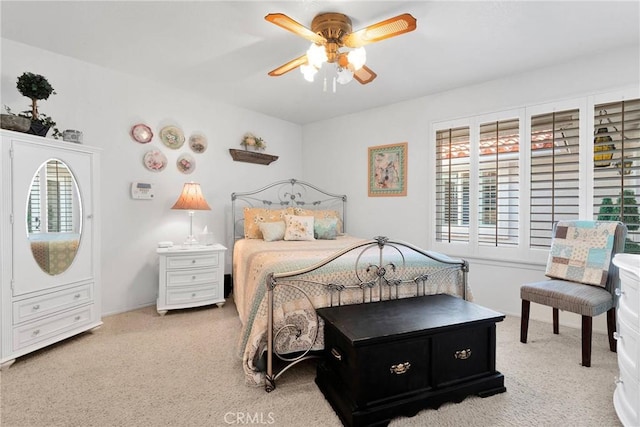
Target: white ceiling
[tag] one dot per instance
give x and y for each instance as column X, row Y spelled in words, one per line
column 224, row 49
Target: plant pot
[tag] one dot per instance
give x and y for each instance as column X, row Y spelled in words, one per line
column 13, row 122
column 38, row 128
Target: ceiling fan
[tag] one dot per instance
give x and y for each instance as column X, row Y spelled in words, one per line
column 333, row 41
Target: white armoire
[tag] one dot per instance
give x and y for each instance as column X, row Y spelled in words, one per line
column 49, row 242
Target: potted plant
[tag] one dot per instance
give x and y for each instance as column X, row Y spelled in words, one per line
column 37, row 87
column 625, row 209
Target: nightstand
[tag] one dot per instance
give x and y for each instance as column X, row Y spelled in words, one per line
column 190, row 276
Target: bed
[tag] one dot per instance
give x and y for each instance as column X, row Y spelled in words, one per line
column 292, row 254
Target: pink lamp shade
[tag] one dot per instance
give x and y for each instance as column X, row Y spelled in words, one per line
column 191, row 199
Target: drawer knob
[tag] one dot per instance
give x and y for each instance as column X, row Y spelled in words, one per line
column 617, row 336
column 193, row 261
column 77, row 318
column 193, row 295
column 619, row 292
column 618, row 381
column 400, row 368
column 36, row 332
column 36, row 307
column 76, row 296
column 336, row 354
column 462, row 354
column 193, row 277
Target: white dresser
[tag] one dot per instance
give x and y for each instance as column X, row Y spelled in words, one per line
column 626, row 398
column 49, row 251
column 190, row 276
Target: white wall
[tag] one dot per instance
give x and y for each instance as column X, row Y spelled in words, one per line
column 104, row 105
column 410, row 218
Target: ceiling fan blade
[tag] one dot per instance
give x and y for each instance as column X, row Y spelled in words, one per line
column 283, row 21
column 364, row 75
column 285, row 68
column 382, row 30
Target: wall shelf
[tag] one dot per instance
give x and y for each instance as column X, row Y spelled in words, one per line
column 252, row 157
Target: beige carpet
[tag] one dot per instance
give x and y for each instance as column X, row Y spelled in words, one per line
column 140, row 369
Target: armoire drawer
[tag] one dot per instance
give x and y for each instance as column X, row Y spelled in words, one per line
column 49, row 327
column 191, row 294
column 192, row 277
column 43, row 305
column 193, row 260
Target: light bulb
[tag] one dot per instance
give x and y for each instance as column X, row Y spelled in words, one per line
column 344, row 75
column 316, row 55
column 357, row 58
column 309, row 72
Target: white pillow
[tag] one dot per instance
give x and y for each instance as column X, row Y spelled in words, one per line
column 272, row 231
column 298, row 227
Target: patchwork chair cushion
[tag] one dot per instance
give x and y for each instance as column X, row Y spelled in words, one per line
column 586, row 300
column 581, row 251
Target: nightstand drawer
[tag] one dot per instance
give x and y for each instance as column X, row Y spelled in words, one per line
column 193, row 261
column 43, row 305
column 193, row 294
column 192, row 277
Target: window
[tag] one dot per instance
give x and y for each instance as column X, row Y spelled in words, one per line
column 616, row 166
column 554, row 193
column 498, row 177
column 452, row 185
column 568, row 172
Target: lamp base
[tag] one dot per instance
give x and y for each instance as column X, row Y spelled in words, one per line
column 191, row 241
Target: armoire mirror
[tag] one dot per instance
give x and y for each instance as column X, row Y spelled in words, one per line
column 54, row 217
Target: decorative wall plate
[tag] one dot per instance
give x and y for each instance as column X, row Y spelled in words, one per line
column 172, row 137
column 155, row 160
column 198, row 143
column 141, row 133
column 186, row 163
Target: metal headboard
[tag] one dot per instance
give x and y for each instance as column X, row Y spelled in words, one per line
column 285, row 193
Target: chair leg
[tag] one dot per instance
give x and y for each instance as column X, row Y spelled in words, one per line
column 611, row 329
column 524, row 321
column 586, row 340
column 556, row 322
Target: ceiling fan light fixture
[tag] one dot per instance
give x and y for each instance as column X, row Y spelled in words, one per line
column 308, row 71
column 357, row 58
column 344, row 75
column 316, row 55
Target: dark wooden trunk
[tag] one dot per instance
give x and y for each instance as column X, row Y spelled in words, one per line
column 392, row 358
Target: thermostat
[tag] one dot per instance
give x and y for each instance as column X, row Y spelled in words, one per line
column 142, row 190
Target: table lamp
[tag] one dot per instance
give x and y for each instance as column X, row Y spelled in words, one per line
column 191, row 199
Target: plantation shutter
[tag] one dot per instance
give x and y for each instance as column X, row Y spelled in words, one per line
column 616, row 166
column 452, row 185
column 554, row 173
column 498, row 183
column 59, row 198
column 34, row 216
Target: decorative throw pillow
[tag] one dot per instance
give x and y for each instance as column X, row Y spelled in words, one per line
column 320, row 214
column 325, row 228
column 581, row 251
column 272, row 231
column 253, row 217
column 298, row 227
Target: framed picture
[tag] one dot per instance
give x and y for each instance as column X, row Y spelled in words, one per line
column 388, row 170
